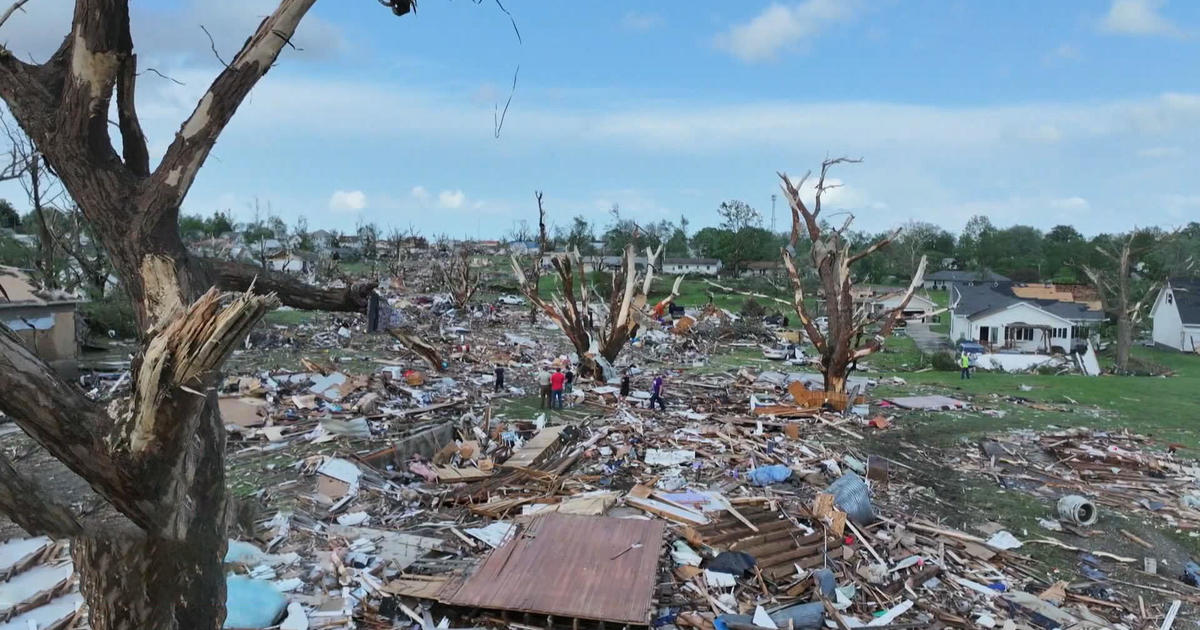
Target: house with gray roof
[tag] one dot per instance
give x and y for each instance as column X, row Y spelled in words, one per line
column 993, row 315
column 1176, row 315
column 940, row 280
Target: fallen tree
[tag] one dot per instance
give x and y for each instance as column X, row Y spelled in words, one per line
column 572, row 309
column 847, row 337
column 157, row 457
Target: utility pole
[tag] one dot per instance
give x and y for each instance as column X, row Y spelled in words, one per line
column 772, row 213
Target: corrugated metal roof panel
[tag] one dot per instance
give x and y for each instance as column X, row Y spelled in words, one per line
column 588, row 567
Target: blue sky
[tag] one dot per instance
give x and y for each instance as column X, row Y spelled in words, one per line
column 1030, row 112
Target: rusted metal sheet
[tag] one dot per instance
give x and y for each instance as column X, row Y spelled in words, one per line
column 586, row 567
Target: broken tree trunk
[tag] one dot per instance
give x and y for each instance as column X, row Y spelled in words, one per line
column 842, row 343
column 158, row 456
column 572, row 311
column 536, row 268
column 1116, row 294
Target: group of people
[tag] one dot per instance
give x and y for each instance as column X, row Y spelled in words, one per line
column 552, row 386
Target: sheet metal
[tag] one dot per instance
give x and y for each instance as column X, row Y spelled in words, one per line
column 587, row 567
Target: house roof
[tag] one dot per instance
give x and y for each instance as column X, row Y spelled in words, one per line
column 691, row 261
column 1187, row 299
column 984, row 299
column 967, row 276
column 17, row 290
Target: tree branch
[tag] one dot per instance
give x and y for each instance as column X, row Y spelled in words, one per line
column 133, row 141
column 174, row 176
column 25, row 502
column 233, row 276
column 68, row 425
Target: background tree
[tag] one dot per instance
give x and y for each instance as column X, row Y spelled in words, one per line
column 157, row 457
column 581, row 236
column 1121, row 299
column 457, row 277
column 9, row 217
column 842, row 343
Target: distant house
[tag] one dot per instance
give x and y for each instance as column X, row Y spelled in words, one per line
column 349, row 241
column 44, row 320
column 764, row 269
column 322, row 240
column 1176, row 315
column 290, row 261
column 693, row 266
column 994, row 315
column 940, row 280
column 488, row 247
column 522, row 248
column 919, row 307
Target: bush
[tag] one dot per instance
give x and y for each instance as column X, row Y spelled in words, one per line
column 751, row 308
column 112, row 312
column 944, row 361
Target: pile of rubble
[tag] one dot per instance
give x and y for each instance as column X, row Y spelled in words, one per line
column 408, row 497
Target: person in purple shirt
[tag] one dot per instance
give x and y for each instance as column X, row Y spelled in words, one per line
column 656, row 393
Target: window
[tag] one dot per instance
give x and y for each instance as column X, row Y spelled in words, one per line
column 1018, row 333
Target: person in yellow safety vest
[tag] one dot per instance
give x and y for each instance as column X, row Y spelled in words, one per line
column 965, row 362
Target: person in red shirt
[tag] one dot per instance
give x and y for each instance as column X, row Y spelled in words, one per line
column 557, row 380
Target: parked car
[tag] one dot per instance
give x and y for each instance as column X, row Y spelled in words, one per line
column 511, row 300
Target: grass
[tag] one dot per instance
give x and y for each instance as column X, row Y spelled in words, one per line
column 288, row 317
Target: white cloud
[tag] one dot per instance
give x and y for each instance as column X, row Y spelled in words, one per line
column 1137, row 17
column 783, row 27
column 1070, row 203
column 419, row 193
column 1156, row 153
column 451, row 198
column 638, row 21
column 347, row 200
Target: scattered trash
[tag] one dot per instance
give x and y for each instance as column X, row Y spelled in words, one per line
column 1077, row 509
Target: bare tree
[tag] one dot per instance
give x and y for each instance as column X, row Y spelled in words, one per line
column 572, row 309
column 157, row 457
column 535, row 268
column 42, row 189
column 1116, row 293
column 457, row 277
column 842, row 343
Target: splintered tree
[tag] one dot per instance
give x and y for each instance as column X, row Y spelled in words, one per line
column 1117, row 294
column 847, row 337
column 572, row 307
column 157, row 457
column 536, row 268
column 457, row 277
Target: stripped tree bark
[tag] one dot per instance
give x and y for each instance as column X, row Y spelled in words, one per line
column 157, row 457
column 842, row 343
column 572, row 309
column 1117, row 296
column 535, row 268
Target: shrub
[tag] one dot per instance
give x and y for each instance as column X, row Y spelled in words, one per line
column 751, row 308
column 944, row 361
column 112, row 312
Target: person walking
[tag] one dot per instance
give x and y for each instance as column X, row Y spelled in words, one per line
column 499, row 379
column 625, row 384
column 656, row 393
column 570, row 378
column 557, row 381
column 543, row 381
column 965, row 362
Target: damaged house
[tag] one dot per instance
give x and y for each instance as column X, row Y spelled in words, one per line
column 44, row 320
column 1013, row 317
column 1176, row 315
column 942, row 280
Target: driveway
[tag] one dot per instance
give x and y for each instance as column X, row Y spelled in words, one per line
column 927, row 341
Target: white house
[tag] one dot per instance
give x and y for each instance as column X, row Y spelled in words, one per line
column 1176, row 315
column 994, row 316
column 693, row 266
column 919, row 307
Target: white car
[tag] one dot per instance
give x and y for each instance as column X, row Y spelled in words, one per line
column 511, row 300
